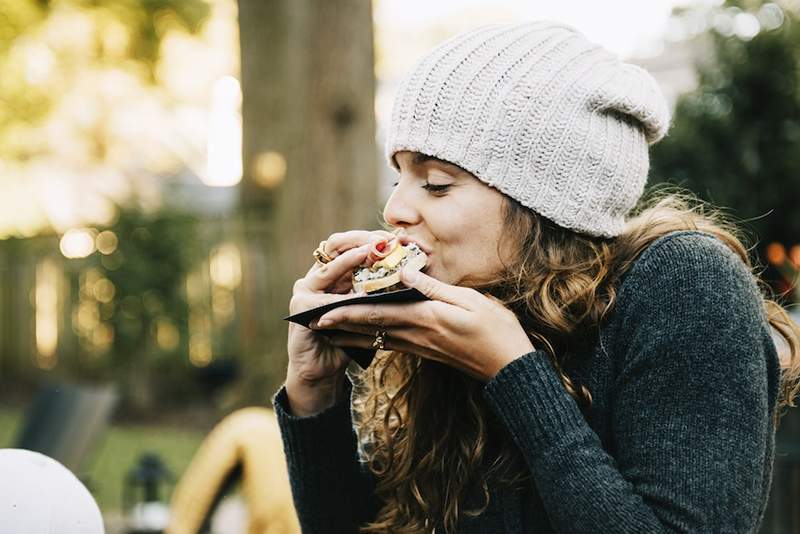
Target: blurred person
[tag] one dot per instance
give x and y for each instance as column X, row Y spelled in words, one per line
column 590, row 359
column 38, row 495
column 247, row 439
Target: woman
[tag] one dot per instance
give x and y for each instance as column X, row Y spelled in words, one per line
column 582, row 365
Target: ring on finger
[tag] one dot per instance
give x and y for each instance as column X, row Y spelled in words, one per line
column 380, row 340
column 320, row 255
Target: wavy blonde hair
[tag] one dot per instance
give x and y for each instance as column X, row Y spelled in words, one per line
column 424, row 427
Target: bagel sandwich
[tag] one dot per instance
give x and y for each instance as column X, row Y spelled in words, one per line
column 381, row 271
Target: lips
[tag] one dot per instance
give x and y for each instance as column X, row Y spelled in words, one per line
column 409, row 239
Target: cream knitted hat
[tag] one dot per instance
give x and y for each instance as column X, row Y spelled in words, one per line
column 540, row 113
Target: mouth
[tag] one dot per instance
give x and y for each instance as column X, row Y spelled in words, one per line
column 408, row 239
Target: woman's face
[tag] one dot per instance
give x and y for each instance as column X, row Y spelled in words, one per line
column 454, row 216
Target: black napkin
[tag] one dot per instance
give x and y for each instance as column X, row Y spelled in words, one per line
column 362, row 357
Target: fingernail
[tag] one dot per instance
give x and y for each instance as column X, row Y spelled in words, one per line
column 323, row 323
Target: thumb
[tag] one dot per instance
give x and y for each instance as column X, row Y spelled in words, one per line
column 435, row 289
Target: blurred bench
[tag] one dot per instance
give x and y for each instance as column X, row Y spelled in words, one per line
column 64, row 422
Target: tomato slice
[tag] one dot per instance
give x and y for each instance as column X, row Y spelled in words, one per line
column 381, row 249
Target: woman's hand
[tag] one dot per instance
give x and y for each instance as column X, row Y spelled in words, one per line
column 459, row 327
column 316, row 367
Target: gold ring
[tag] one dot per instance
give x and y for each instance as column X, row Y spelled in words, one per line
column 380, row 339
column 320, row 255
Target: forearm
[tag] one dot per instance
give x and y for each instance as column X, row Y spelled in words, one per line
column 331, row 489
column 674, row 476
column 577, row 480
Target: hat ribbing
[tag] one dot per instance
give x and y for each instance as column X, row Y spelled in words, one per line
column 541, row 114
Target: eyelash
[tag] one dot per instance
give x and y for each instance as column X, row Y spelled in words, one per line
column 431, row 187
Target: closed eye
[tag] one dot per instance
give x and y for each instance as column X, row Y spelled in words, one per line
column 433, row 188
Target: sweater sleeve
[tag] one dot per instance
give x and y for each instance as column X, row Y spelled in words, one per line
column 333, row 491
column 694, row 391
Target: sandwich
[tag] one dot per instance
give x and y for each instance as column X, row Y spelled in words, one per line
column 381, row 271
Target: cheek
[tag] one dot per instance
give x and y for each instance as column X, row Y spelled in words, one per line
column 461, row 255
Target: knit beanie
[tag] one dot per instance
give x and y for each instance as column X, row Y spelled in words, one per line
column 540, row 113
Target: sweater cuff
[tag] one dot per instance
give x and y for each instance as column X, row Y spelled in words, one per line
column 527, row 395
column 322, row 435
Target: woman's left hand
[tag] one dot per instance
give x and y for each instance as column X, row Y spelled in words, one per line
column 459, row 327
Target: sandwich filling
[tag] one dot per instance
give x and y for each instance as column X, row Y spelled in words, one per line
column 384, row 263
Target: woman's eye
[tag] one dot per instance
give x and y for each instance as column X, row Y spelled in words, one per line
column 434, row 188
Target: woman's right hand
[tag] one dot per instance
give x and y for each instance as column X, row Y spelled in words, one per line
column 316, row 368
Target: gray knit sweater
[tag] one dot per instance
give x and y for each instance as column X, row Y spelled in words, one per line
column 679, row 437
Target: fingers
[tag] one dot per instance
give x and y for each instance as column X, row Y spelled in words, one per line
column 303, row 300
column 390, row 342
column 340, row 242
column 378, row 315
column 321, row 278
column 436, row 290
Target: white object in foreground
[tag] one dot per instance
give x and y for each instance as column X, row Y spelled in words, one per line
column 39, row 495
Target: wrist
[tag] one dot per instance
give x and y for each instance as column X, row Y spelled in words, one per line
column 308, row 398
column 501, row 362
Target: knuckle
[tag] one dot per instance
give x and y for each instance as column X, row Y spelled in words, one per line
column 298, row 285
column 432, row 315
column 374, row 317
column 431, row 290
column 334, row 244
column 296, row 304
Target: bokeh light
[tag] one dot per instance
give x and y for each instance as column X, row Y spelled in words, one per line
column 224, row 165
column 225, row 266
column 106, row 242
column 776, row 253
column 269, row 169
column 794, row 255
column 46, row 301
column 77, row 243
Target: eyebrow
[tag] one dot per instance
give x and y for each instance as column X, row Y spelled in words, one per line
column 420, row 158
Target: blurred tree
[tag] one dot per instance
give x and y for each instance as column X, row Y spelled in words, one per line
column 140, row 292
column 124, row 35
column 309, row 156
column 736, row 139
column 70, row 68
column 129, row 308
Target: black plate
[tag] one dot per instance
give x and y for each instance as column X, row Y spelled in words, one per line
column 362, row 357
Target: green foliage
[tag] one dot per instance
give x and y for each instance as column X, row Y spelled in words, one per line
column 16, row 18
column 28, row 41
column 736, row 139
column 149, row 20
column 147, row 272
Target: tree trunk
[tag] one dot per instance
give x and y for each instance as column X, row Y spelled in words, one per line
column 308, row 99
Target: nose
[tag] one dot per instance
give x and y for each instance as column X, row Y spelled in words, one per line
column 400, row 208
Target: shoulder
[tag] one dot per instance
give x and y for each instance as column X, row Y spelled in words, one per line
column 685, row 285
column 687, row 259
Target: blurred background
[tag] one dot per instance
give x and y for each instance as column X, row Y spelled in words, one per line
column 167, row 166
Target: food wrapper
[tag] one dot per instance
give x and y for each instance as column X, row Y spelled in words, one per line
column 363, row 357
